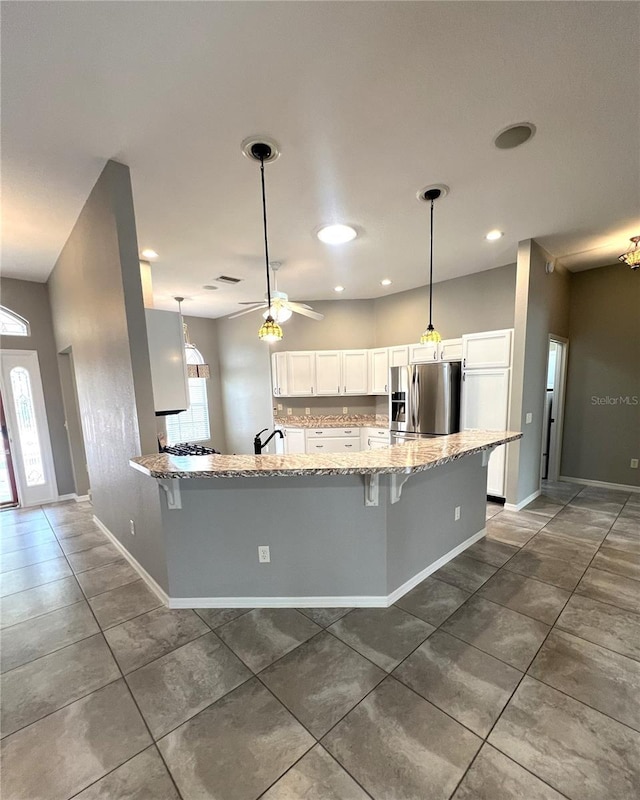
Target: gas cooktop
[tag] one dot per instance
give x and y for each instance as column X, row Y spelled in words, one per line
column 186, row 449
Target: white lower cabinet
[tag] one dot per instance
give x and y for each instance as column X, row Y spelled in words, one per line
column 374, row 438
column 294, row 441
column 332, row 440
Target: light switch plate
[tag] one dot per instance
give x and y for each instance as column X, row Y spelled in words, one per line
column 634, row 463
column 529, row 418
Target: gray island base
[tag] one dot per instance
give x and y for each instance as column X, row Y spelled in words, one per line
column 360, row 529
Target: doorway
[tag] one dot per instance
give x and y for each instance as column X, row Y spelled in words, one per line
column 73, row 423
column 8, row 487
column 27, row 428
column 554, row 408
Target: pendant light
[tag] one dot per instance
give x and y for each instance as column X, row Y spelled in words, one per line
column 270, row 330
column 196, row 366
column 430, row 195
column 632, row 256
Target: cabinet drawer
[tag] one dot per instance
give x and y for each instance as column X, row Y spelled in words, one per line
column 333, row 445
column 324, row 433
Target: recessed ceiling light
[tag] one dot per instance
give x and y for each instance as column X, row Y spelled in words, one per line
column 385, row 282
column 148, row 253
column 514, row 135
column 338, row 288
column 492, row 236
column 336, row 234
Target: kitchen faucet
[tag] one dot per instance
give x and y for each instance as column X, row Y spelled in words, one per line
column 259, row 445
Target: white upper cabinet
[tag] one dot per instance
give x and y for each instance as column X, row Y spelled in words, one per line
column 279, row 374
column 168, row 362
column 379, row 371
column 328, row 372
column 419, row 353
column 355, row 371
column 485, row 399
column 450, row 350
column 487, row 350
column 301, row 373
column 399, row 356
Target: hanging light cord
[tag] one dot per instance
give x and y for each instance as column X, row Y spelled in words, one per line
column 431, row 269
column 264, row 222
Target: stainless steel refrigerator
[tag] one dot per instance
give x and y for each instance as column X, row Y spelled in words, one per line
column 424, row 400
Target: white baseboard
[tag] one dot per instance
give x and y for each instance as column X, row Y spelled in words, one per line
column 151, row 582
column 519, row 506
column 344, row 601
column 604, row 484
column 81, row 498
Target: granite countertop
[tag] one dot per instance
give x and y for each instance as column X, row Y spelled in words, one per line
column 333, row 421
column 405, row 458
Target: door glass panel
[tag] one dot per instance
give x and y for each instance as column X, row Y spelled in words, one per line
column 6, row 490
column 31, row 452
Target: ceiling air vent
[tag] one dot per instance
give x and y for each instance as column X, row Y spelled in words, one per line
column 227, row 279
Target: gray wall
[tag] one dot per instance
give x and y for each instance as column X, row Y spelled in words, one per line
column 31, row 301
column 599, row 441
column 97, row 309
column 541, row 308
column 245, row 375
column 483, row 301
column 347, row 325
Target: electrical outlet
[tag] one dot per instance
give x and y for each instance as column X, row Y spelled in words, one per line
column 456, row 513
column 132, row 527
column 279, row 406
column 289, row 412
column 345, row 409
column 307, row 411
column 634, row 463
column 264, row 555
column 529, row 418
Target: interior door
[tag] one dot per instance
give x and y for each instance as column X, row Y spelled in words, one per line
column 28, row 428
column 8, row 488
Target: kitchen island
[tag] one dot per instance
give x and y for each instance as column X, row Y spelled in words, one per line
column 353, row 529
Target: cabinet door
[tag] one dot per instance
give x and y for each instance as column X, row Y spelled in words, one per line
column 328, row 372
column 168, row 362
column 279, row 374
column 399, row 356
column 450, row 350
column 378, row 444
column 487, row 350
column 496, row 472
column 419, row 353
column 294, row 441
column 379, row 371
column 301, row 373
column 485, row 399
column 355, row 371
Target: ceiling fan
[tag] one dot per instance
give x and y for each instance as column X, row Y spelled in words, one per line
column 281, row 306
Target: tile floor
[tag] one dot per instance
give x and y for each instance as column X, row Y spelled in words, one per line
column 512, row 672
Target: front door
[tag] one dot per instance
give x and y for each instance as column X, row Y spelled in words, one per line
column 28, row 429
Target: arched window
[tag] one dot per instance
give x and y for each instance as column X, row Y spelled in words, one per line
column 12, row 324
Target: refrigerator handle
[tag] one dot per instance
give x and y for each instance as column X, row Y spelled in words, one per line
column 414, row 396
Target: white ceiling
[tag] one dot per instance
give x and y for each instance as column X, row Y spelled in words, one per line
column 369, row 102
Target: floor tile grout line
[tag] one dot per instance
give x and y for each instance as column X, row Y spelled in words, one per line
column 122, row 677
column 133, row 699
column 607, row 602
column 44, row 613
column 52, row 652
column 542, row 644
column 164, row 655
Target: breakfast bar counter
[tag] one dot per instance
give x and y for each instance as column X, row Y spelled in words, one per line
column 347, row 529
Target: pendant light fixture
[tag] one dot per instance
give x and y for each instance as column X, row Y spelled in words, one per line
column 430, row 195
column 262, row 151
column 196, row 366
column 632, row 256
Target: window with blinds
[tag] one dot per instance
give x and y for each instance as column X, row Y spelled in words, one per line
column 191, row 425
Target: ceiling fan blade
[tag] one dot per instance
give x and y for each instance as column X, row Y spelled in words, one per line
column 251, row 303
column 304, row 310
column 247, row 311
